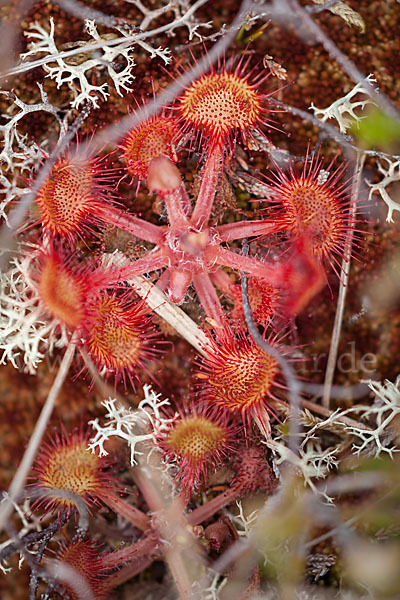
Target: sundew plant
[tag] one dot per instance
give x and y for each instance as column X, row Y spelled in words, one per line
column 199, row 300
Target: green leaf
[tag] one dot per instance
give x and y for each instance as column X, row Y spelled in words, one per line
column 377, row 130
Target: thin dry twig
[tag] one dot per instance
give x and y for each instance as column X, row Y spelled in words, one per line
column 325, row 412
column 21, row 474
column 343, row 284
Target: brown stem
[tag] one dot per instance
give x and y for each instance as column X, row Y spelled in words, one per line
column 135, row 516
column 144, row 548
column 131, row 570
column 140, row 555
column 208, row 509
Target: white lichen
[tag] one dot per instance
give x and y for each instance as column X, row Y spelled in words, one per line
column 26, row 335
column 346, row 106
column 17, row 151
column 244, row 523
column 311, row 463
column 20, row 156
column 77, row 73
column 212, row 592
column 133, row 426
column 376, row 438
column 184, row 15
column 373, row 436
column 391, row 174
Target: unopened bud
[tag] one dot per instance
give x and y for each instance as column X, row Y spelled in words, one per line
column 163, row 175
